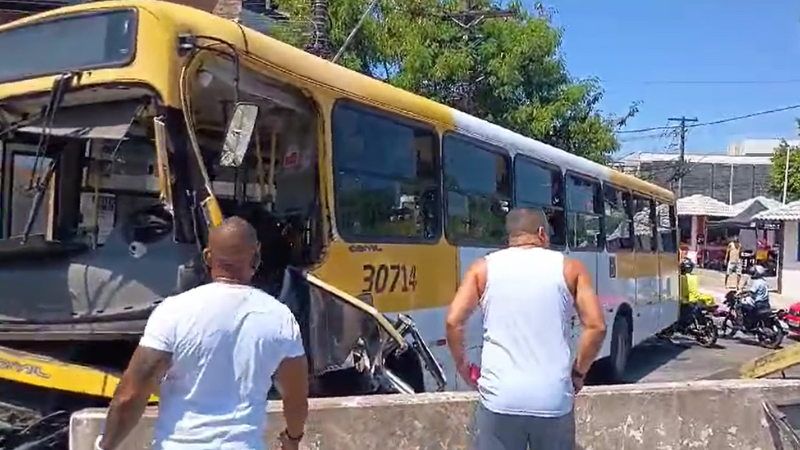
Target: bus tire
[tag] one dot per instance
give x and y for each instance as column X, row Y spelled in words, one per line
column 621, row 344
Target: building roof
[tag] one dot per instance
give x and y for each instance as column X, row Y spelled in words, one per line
column 644, row 157
column 701, row 205
column 767, row 202
column 786, row 213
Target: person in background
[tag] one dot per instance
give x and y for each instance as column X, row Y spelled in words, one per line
column 214, row 350
column 758, row 301
column 733, row 262
column 691, row 299
column 528, row 375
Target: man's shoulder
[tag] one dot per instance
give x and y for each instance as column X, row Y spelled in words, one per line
column 264, row 304
column 573, row 264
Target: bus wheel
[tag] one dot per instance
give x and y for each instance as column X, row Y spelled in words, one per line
column 621, row 339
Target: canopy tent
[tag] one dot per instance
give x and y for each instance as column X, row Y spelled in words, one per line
column 745, row 218
column 767, row 202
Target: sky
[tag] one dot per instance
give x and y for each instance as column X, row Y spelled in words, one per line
column 709, row 59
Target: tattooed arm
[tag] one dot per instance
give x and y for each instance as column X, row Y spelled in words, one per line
column 140, row 380
column 148, row 366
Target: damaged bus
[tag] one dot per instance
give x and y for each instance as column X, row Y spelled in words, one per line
column 128, row 129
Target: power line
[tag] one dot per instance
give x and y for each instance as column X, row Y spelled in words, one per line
column 702, row 82
column 713, row 122
column 643, row 137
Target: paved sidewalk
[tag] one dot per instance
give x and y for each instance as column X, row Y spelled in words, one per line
column 712, row 283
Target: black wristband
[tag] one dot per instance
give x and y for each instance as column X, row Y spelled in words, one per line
column 293, row 438
column 577, row 374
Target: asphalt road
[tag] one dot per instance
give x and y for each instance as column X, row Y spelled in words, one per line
column 683, row 360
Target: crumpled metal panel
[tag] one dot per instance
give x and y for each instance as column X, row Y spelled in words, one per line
column 331, row 328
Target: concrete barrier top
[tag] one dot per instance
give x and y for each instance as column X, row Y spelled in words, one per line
column 674, row 416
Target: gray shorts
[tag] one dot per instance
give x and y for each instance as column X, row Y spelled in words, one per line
column 734, row 268
column 493, row 431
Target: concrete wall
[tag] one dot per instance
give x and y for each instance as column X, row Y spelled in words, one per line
column 670, row 416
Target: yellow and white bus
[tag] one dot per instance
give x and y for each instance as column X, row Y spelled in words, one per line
column 370, row 192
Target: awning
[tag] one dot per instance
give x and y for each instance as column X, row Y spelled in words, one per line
column 701, row 205
column 96, row 121
column 787, row 213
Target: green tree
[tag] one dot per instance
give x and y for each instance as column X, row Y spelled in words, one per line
column 778, row 171
column 509, row 71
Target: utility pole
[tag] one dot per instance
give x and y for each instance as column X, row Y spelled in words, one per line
column 683, row 120
column 470, row 15
column 786, row 173
column 468, row 18
column 320, row 42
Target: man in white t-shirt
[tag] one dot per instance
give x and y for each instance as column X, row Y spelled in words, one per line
column 213, row 351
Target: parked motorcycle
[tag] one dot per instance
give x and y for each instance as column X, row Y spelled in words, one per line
column 768, row 327
column 700, row 327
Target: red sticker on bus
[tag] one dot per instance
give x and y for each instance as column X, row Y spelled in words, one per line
column 291, row 159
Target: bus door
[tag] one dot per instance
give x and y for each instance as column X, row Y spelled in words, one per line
column 617, row 275
column 584, row 212
column 648, row 301
column 668, row 260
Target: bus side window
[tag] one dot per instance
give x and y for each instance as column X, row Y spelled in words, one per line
column 667, row 228
column 386, row 177
column 618, row 219
column 538, row 186
column 584, row 214
column 477, row 183
column 643, row 224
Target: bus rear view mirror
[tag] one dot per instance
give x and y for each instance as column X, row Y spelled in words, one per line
column 239, row 134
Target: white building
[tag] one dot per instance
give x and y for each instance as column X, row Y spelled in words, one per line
column 757, row 147
column 729, row 179
column 788, row 217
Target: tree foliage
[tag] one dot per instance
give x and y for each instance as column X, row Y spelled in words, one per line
column 509, row 71
column 778, row 171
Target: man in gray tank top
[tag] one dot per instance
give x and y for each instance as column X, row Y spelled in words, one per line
column 528, row 378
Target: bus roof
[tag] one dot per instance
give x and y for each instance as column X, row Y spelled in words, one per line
column 338, row 79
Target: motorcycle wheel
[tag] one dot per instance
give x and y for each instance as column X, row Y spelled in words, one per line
column 706, row 333
column 770, row 335
column 728, row 329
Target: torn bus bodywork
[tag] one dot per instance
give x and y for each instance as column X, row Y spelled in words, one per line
column 116, row 206
column 343, row 333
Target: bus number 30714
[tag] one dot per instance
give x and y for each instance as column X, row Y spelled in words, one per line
column 383, row 278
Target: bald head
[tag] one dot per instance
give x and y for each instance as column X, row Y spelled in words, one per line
column 232, row 249
column 524, row 223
